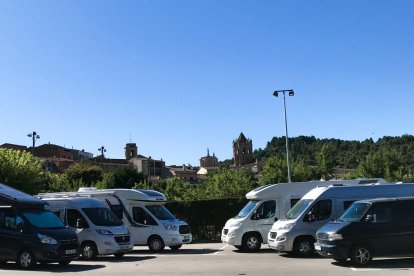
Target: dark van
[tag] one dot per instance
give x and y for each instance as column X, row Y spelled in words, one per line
column 30, row 234
column 369, row 228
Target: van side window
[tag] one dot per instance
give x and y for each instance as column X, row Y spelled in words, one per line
column 9, row 221
column 266, row 210
column 381, row 213
column 321, row 210
column 405, row 212
column 74, row 219
column 139, row 215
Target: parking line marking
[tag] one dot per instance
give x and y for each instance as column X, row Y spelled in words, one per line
column 218, row 251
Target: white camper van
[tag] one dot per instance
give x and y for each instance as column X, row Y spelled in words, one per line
column 144, row 214
column 249, row 229
column 99, row 231
column 297, row 232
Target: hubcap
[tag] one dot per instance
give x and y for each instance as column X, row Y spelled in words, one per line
column 305, row 247
column 25, row 259
column 156, row 244
column 362, row 256
column 87, row 251
column 252, row 242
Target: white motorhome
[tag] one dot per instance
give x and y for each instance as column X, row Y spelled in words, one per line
column 144, row 214
column 99, row 231
column 249, row 229
column 297, row 233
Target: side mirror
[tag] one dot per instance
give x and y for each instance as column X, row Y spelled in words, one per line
column 369, row 218
column 80, row 223
column 309, row 217
column 20, row 226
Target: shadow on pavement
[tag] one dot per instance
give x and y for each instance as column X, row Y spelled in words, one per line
column 293, row 256
column 261, row 251
column 55, row 268
column 182, row 251
column 389, row 264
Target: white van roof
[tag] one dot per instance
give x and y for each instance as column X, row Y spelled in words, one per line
column 75, row 202
column 296, row 189
column 395, row 190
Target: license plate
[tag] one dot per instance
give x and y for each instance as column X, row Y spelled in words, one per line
column 318, row 247
column 70, row 251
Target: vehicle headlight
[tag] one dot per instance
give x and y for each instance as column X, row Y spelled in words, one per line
column 235, row 224
column 286, row 226
column 334, row 237
column 171, row 227
column 104, row 232
column 46, row 239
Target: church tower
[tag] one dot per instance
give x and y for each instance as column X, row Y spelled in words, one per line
column 242, row 151
column 131, row 150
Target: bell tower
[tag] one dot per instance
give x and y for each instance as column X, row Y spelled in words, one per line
column 131, row 150
column 243, row 151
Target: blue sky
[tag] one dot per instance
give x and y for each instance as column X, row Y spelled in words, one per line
column 180, row 76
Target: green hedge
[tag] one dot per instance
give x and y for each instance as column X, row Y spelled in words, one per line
column 206, row 217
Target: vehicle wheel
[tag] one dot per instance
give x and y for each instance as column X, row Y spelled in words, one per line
column 119, row 255
column 361, row 255
column 26, row 259
column 156, row 244
column 89, row 251
column 65, row 262
column 303, row 247
column 175, row 247
column 251, row 242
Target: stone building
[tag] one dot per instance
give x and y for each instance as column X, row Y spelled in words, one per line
column 242, row 151
column 208, row 161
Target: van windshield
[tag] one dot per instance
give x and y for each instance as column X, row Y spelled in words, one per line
column 102, row 217
column 355, row 212
column 299, row 208
column 247, row 208
column 160, row 212
column 43, row 219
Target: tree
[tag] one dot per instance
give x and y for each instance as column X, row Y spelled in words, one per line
column 19, row 169
column 274, row 171
column 326, row 160
column 385, row 163
column 83, row 175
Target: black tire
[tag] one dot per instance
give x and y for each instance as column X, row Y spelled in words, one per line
column 303, row 247
column 119, row 255
column 89, row 251
column 251, row 242
column 26, row 259
column 175, row 247
column 361, row 255
column 65, row 262
column 156, row 244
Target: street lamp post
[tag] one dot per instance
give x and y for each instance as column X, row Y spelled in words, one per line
column 102, row 150
column 290, row 93
column 34, row 136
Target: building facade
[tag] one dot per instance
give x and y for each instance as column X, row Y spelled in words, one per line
column 208, row 161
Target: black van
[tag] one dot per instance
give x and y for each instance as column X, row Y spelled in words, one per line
column 30, row 234
column 369, row 228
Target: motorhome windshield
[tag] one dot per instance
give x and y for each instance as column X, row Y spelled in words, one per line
column 298, row 208
column 43, row 219
column 355, row 212
column 102, row 217
column 247, row 208
column 160, row 212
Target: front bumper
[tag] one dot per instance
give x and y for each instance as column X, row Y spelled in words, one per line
column 114, row 244
column 51, row 252
column 332, row 250
column 230, row 236
column 177, row 239
column 280, row 241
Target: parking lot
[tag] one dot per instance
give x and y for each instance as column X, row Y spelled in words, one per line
column 215, row 259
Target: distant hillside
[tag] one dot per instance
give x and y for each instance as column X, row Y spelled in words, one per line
column 347, row 154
